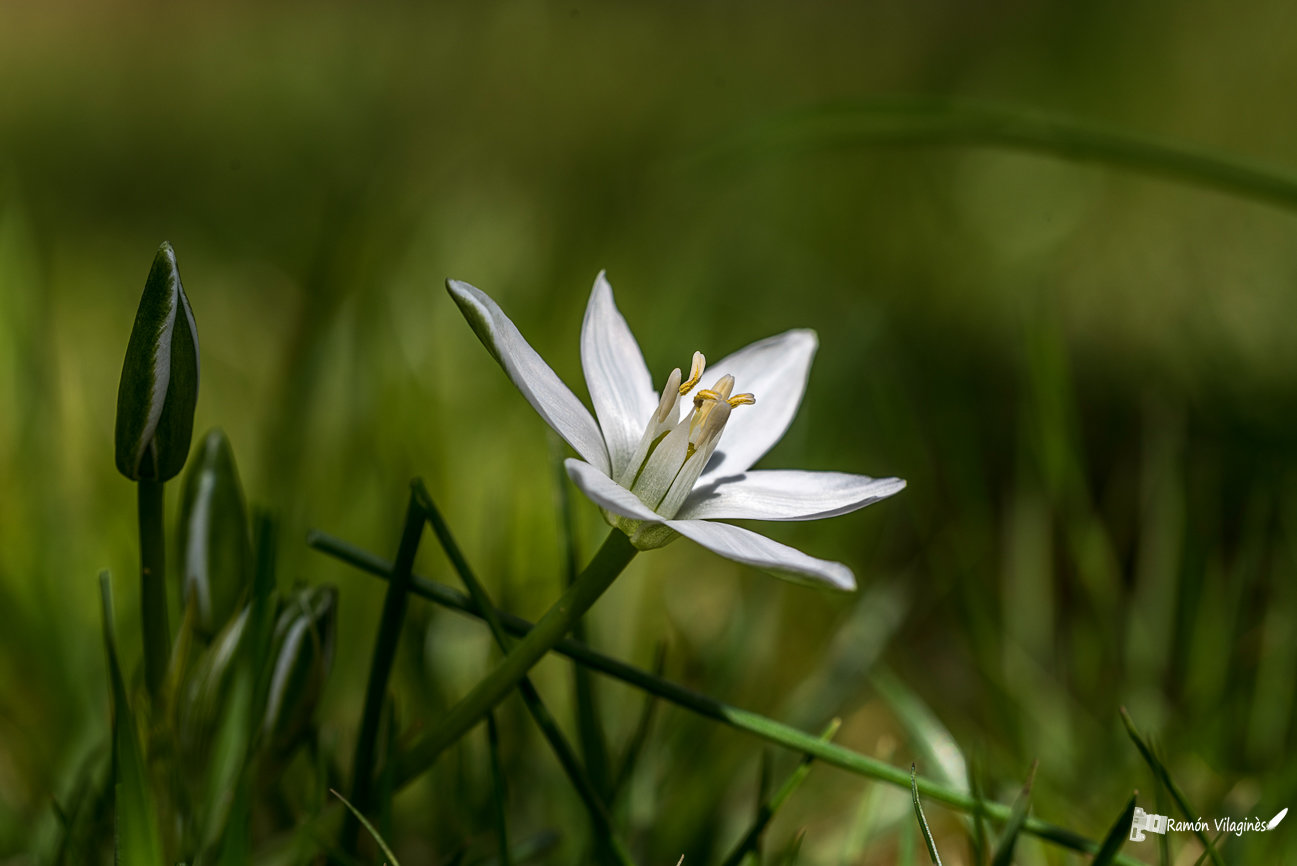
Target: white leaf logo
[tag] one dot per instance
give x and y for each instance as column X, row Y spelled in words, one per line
column 1274, row 822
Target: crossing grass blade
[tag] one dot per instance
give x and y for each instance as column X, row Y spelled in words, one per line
column 923, row 822
column 1117, row 834
column 137, row 839
column 606, row 837
column 1004, row 851
column 382, row 844
column 767, row 808
column 1168, row 784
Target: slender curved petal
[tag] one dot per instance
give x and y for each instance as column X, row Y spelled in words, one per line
column 785, row 494
column 775, row 370
column 749, row 548
column 528, row 371
column 619, row 381
column 606, row 493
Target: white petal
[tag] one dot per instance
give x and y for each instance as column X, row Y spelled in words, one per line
column 775, row 371
column 615, row 373
column 745, row 546
column 541, row 386
column 606, row 493
column 785, row 494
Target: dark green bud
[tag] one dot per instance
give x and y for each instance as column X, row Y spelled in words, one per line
column 303, row 652
column 159, row 387
column 215, row 550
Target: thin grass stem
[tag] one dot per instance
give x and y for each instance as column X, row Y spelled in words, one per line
column 380, row 669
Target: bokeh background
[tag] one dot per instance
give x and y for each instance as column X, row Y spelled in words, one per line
column 1086, row 373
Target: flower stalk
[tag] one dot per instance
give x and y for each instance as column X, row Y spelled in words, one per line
column 609, row 562
column 153, row 586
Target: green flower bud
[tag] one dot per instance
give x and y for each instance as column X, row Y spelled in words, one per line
column 215, row 549
column 159, row 387
column 204, row 692
column 303, row 652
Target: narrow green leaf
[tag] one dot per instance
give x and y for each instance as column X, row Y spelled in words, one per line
column 1118, row 833
column 766, row 809
column 1167, row 783
column 382, row 844
column 1021, row 806
column 386, row 638
column 499, row 789
column 923, row 822
column 137, row 840
column 159, row 385
column 215, row 550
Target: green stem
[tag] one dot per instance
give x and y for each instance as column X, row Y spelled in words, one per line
column 615, row 554
column 153, row 585
column 380, row 669
column 611, row 847
column 594, row 745
column 743, row 720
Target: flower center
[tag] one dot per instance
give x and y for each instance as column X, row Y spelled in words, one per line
column 673, row 451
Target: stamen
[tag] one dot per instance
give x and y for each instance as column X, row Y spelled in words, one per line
column 742, row 400
column 706, row 394
column 696, row 368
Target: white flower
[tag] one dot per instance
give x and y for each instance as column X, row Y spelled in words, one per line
column 658, row 473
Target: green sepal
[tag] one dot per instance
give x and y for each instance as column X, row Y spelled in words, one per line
column 159, row 386
column 215, row 549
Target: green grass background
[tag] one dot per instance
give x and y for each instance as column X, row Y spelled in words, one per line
column 1086, row 373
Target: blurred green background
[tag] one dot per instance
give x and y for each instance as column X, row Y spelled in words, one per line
column 1086, row 374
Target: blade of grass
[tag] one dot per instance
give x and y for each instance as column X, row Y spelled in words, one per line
column 136, row 837
column 1118, row 833
column 382, row 844
column 380, row 670
column 1164, row 778
column 497, row 783
column 913, row 121
column 766, row 809
column 923, row 822
column 1004, row 851
column 979, row 840
column 605, row 836
column 753, row 723
column 1202, row 858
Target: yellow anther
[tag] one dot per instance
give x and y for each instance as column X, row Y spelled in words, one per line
column 741, row 400
column 706, row 394
column 695, row 373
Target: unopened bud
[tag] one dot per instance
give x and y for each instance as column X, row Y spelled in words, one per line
column 214, row 545
column 159, row 386
column 303, row 652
